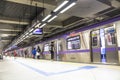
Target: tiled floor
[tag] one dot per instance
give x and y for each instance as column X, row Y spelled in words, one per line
column 29, row 69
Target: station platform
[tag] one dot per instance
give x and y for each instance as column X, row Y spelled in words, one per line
column 32, row 69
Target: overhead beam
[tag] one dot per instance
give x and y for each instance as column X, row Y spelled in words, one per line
column 7, row 32
column 9, row 28
column 9, row 20
column 46, row 32
column 12, row 29
column 28, row 2
column 13, row 22
column 6, row 38
column 56, row 24
column 5, row 41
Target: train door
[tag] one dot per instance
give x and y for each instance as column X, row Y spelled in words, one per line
column 111, row 45
column 95, row 39
column 104, row 48
column 57, row 48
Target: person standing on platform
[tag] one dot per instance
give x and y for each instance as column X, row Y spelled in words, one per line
column 38, row 52
column 26, row 52
column 15, row 54
column 52, row 50
column 34, row 52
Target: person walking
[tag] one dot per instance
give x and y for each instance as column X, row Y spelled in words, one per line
column 34, row 53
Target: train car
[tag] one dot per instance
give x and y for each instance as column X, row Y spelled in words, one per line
column 97, row 43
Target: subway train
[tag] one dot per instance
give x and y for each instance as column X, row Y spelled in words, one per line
column 97, row 43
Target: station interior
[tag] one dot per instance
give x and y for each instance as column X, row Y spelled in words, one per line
column 59, row 39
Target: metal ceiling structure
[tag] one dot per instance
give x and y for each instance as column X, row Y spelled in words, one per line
column 17, row 16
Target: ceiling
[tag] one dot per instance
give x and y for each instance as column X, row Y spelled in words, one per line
column 17, row 16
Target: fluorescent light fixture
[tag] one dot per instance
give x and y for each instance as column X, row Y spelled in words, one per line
column 31, row 30
column 46, row 17
column 24, row 38
column 37, row 25
column 27, row 36
column 27, row 33
column 61, row 5
column 42, row 25
column 30, row 34
column 21, row 40
column 4, row 35
column 68, row 7
column 23, row 35
column 52, row 18
column 33, row 24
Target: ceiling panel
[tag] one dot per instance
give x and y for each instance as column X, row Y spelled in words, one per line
column 87, row 8
column 113, row 13
column 118, row 0
column 105, row 11
column 15, row 10
column 52, row 2
column 108, row 2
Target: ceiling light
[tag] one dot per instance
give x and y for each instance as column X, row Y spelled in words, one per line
column 33, row 24
column 68, row 7
column 37, row 25
column 24, row 38
column 4, row 35
column 30, row 34
column 52, row 18
column 21, row 40
column 60, row 6
column 31, row 30
column 23, row 35
column 46, row 17
column 42, row 25
column 26, row 34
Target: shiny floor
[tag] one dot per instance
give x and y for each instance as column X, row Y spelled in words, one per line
column 30, row 69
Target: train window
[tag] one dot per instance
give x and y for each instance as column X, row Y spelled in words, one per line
column 59, row 46
column 94, row 41
column 95, row 38
column 46, row 47
column 110, row 35
column 73, row 42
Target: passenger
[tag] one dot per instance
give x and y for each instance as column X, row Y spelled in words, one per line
column 15, row 54
column 34, row 53
column 12, row 54
column 26, row 53
column 52, row 50
column 38, row 52
column 38, row 55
